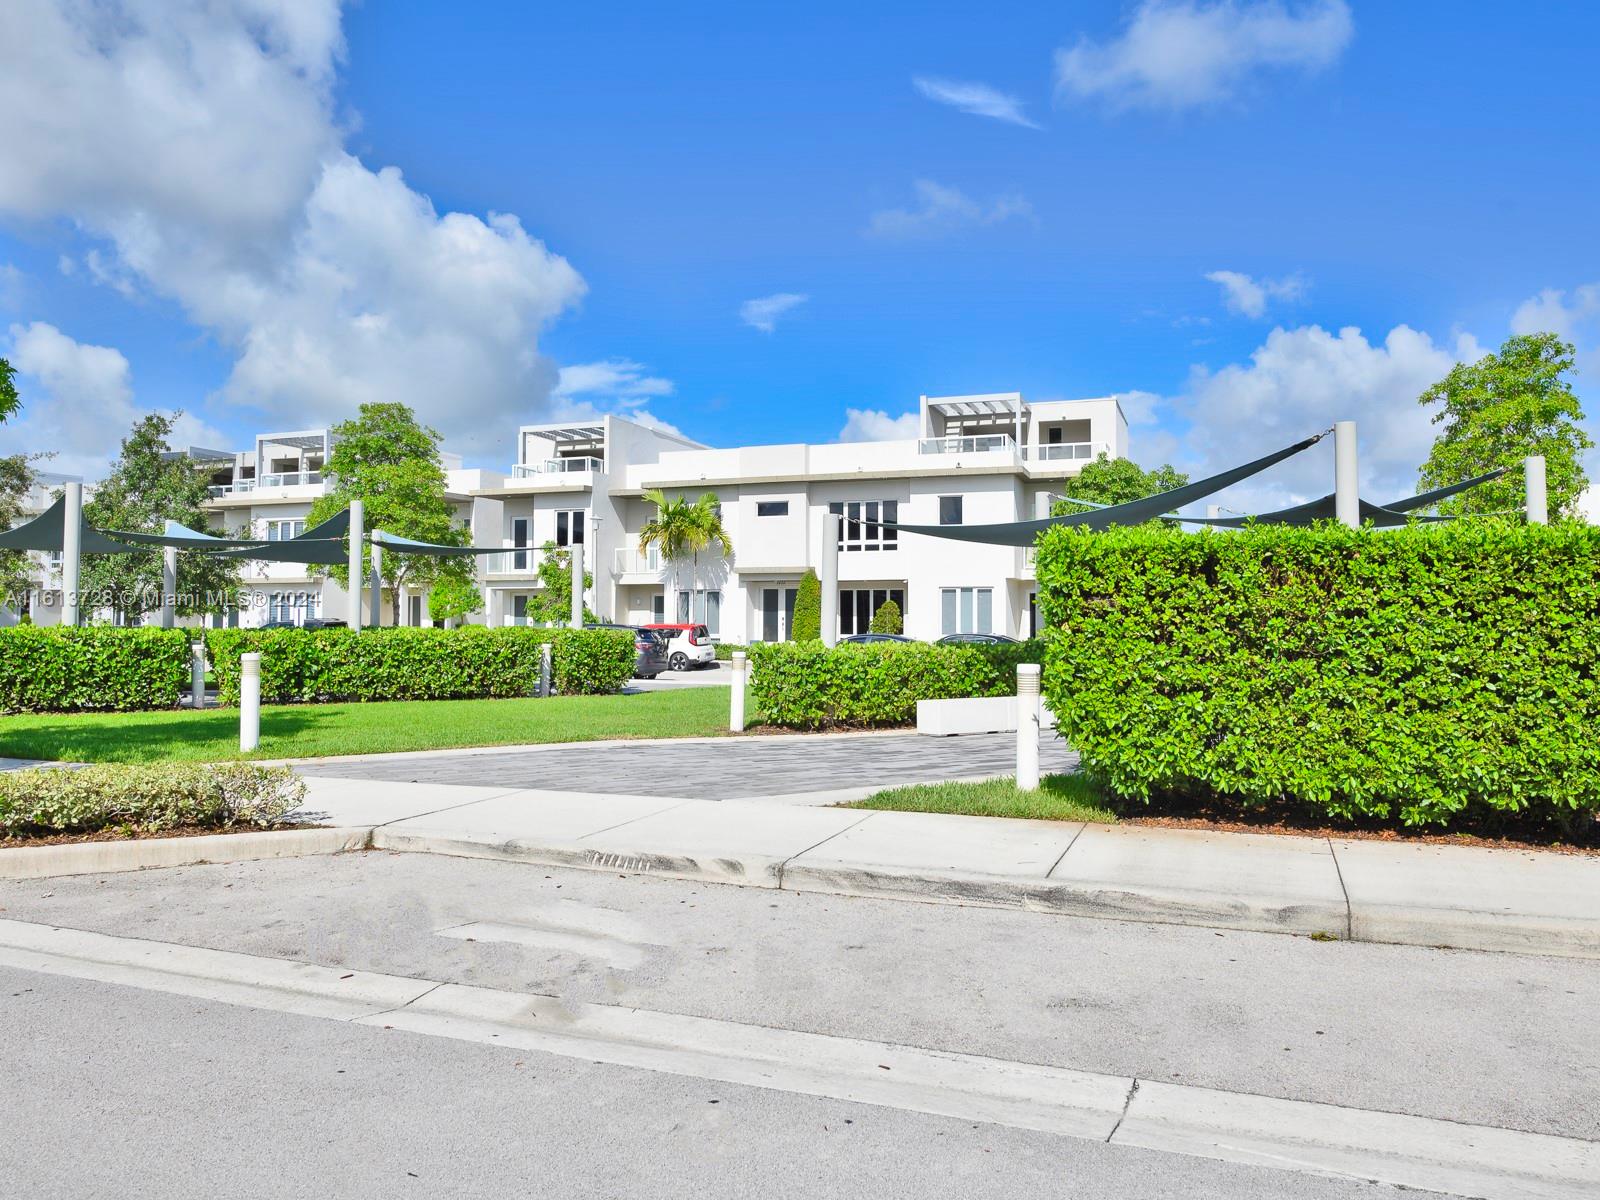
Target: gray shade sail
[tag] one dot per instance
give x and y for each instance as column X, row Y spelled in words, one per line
column 1384, row 516
column 1134, row 512
column 405, row 545
column 184, row 538
column 47, row 530
column 325, row 545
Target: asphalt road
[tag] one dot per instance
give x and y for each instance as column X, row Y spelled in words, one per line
column 136, row 1093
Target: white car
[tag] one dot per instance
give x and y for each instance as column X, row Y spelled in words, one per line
column 688, row 646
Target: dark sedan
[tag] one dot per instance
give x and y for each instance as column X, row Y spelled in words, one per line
column 864, row 639
column 976, row 639
column 651, row 650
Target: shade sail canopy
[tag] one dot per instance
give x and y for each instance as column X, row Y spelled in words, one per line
column 326, row 545
column 1384, row 516
column 405, row 545
column 1134, row 512
column 47, row 531
column 184, row 538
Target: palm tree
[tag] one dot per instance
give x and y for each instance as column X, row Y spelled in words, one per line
column 681, row 530
column 708, row 531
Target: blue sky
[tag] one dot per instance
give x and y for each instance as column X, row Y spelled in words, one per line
column 1185, row 202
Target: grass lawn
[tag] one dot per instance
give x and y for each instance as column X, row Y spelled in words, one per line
column 1057, row 798
column 313, row 730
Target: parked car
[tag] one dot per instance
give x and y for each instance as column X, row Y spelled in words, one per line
column 862, row 639
column 687, row 645
column 976, row 639
column 650, row 649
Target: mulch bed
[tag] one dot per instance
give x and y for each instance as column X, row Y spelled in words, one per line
column 124, row 835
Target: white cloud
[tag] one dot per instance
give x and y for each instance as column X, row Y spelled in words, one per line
column 196, row 147
column 1248, row 297
column 979, row 99
column 1176, row 54
column 875, row 425
column 763, row 313
column 942, row 210
column 77, row 402
column 616, row 377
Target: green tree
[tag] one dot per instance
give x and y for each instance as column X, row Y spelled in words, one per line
column 1497, row 411
column 9, row 400
column 806, row 624
column 17, row 573
column 887, row 619
column 147, row 485
column 1114, row 481
column 552, row 603
column 389, row 461
column 453, row 598
column 681, row 530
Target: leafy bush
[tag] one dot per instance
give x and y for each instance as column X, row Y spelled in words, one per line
column 1420, row 674
column 300, row 665
column 146, row 798
column 67, row 669
column 887, row 619
column 804, row 685
column 805, row 625
column 725, row 650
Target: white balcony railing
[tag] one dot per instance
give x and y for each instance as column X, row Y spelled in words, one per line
column 1067, row 451
column 555, row 466
column 281, row 479
column 627, row 560
column 974, row 444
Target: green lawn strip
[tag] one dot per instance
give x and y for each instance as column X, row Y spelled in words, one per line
column 1057, row 798
column 315, row 730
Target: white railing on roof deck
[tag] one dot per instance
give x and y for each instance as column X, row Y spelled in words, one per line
column 1067, row 451
column 556, row 466
column 966, row 444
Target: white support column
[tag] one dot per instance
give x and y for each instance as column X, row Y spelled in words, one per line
column 377, row 585
column 1346, row 496
column 197, row 675
column 1027, row 726
column 736, row 703
column 71, row 547
column 576, row 615
column 1535, row 503
column 169, row 586
column 830, row 578
column 357, row 567
column 249, row 701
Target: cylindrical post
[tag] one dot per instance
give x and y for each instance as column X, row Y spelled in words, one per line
column 249, row 701
column 736, row 708
column 830, row 578
column 1536, row 503
column 576, row 551
column 197, row 675
column 377, row 585
column 1027, row 726
column 169, row 587
column 1213, row 511
column 1346, row 496
column 544, row 670
column 356, row 567
column 71, row 544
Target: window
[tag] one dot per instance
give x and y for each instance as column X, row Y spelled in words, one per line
column 703, row 607
column 856, row 606
column 282, row 531
column 569, row 526
column 777, row 613
column 966, row 610
column 519, row 610
column 415, row 615
column 658, row 609
column 295, row 607
column 949, row 510
column 772, row 508
column 860, row 529
column 1055, row 435
column 519, row 539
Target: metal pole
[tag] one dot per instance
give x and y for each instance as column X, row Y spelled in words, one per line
column 1346, row 497
column 169, row 587
column 377, row 585
column 71, row 542
column 356, row 515
column 736, row 708
column 830, row 578
column 197, row 675
column 1027, row 726
column 1536, row 503
column 575, row 552
column 249, row 701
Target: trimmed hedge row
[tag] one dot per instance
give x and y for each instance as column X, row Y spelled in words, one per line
column 300, row 665
column 145, row 798
column 1419, row 674
column 66, row 669
column 804, row 685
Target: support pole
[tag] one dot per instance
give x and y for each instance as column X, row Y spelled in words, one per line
column 830, row 578
column 249, row 701
column 741, row 666
column 169, row 587
column 71, row 544
column 356, row 570
column 1536, row 503
column 377, row 585
column 197, row 675
column 576, row 615
column 1346, row 497
column 1027, row 726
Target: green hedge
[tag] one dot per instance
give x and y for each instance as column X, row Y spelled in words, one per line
column 804, row 685
column 145, row 798
column 1419, row 675
column 64, row 669
column 725, row 650
column 299, row 665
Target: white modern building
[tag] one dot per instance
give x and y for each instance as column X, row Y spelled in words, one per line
column 41, row 604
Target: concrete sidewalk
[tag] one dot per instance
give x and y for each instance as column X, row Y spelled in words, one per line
column 1415, row 894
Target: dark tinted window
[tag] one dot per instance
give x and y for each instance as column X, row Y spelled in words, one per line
column 949, row 510
column 772, row 508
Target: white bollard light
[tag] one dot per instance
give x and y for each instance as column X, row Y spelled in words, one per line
column 197, row 674
column 544, row 670
column 1536, row 503
column 249, row 701
column 1027, row 726
column 741, row 667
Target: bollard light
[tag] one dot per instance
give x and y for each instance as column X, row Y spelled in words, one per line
column 544, row 670
column 741, row 666
column 249, row 701
column 1027, row 726
column 197, row 675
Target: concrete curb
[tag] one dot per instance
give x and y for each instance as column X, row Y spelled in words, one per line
column 104, row 858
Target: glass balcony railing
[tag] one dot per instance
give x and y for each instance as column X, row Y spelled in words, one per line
column 628, row 560
column 281, row 479
column 556, row 466
column 971, row 444
column 1067, row 451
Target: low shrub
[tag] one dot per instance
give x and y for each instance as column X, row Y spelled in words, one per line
column 1425, row 675
column 725, row 650
column 804, row 685
column 303, row 665
column 147, row 798
column 67, row 669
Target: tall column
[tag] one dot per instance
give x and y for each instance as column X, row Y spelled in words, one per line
column 71, row 544
column 1346, row 497
column 1535, row 502
column 357, row 568
column 169, row 586
column 1027, row 726
column 576, row 615
column 830, row 578
column 377, row 585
